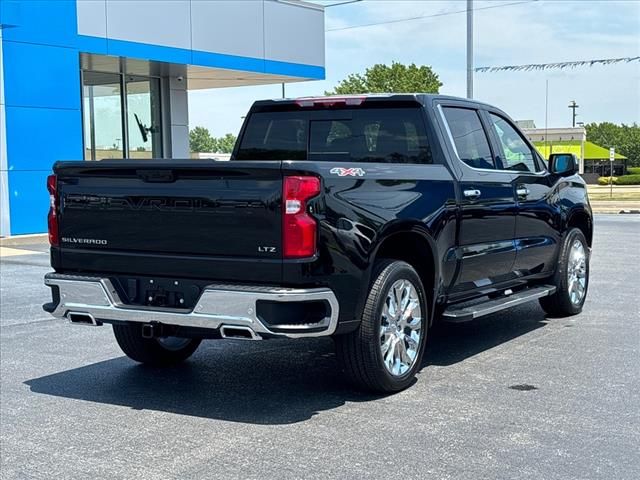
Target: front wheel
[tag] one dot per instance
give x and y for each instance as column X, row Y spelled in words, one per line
column 156, row 351
column 571, row 278
column 385, row 352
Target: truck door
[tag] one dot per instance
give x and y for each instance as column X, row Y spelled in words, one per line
column 485, row 247
column 536, row 238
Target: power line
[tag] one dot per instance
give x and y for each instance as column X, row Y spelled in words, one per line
column 420, row 17
column 558, row 65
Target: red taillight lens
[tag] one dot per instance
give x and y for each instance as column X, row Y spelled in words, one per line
column 52, row 186
column 298, row 227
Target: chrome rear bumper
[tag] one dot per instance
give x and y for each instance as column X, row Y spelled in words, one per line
column 219, row 306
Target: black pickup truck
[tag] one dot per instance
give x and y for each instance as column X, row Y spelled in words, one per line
column 363, row 218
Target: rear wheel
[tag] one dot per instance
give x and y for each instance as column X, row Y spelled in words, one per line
column 157, row 351
column 571, row 278
column 385, row 352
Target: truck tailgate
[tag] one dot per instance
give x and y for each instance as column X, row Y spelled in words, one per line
column 170, row 209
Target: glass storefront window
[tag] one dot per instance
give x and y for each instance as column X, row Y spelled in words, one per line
column 102, row 99
column 143, row 114
column 106, row 133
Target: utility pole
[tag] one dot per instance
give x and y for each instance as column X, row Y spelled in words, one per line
column 573, row 105
column 283, row 92
column 469, row 48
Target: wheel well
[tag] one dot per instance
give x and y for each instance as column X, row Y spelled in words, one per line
column 414, row 249
column 583, row 221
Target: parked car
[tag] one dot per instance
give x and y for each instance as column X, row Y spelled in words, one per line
column 363, row 218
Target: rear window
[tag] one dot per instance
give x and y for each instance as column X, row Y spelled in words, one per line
column 387, row 135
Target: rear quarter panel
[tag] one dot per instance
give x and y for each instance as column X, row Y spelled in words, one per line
column 358, row 211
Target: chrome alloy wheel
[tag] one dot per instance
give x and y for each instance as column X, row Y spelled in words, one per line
column 577, row 272
column 173, row 343
column 400, row 327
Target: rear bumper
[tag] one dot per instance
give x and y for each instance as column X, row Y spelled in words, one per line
column 219, row 307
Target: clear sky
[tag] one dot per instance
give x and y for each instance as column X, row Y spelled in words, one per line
column 511, row 32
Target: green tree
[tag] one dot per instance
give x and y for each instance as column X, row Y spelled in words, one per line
column 200, row 140
column 225, row 144
column 625, row 138
column 397, row 78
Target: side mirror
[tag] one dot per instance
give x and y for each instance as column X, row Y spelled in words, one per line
column 565, row 164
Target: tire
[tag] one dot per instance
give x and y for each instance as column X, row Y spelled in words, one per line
column 159, row 352
column 361, row 352
column 571, row 278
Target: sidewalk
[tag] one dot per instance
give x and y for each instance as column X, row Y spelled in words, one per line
column 615, row 206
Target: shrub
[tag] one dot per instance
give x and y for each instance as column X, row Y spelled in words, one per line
column 624, row 180
column 605, row 180
column 634, row 170
column 628, row 180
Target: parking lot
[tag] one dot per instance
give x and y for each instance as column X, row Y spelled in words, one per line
column 514, row 395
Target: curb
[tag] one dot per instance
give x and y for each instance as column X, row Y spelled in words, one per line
column 17, row 240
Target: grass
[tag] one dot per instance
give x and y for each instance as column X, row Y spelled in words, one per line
column 620, row 193
column 632, row 196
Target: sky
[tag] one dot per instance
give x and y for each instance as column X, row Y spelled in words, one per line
column 509, row 32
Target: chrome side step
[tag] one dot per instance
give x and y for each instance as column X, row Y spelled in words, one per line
column 465, row 312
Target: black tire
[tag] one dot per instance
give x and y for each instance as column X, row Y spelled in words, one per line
column 560, row 304
column 360, row 353
column 149, row 350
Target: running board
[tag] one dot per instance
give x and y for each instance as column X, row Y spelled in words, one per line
column 466, row 312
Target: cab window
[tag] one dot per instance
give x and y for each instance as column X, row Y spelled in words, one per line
column 469, row 137
column 516, row 153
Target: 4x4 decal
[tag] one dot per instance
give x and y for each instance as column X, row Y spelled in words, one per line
column 347, row 172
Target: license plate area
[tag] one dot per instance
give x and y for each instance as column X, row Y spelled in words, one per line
column 159, row 291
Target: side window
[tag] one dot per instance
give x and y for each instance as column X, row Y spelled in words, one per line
column 274, row 136
column 516, row 154
column 469, row 137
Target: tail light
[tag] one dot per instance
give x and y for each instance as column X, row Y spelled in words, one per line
column 54, row 203
column 299, row 229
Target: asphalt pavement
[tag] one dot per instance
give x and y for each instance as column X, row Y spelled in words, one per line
column 513, row 395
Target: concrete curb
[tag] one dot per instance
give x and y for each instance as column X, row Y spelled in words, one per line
column 17, row 240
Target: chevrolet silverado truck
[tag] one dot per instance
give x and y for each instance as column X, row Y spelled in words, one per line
column 363, row 218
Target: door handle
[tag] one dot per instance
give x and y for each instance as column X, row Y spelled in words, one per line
column 471, row 193
column 522, row 192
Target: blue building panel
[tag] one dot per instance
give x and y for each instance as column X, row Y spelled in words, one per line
column 28, row 201
column 159, row 53
column 41, row 75
column 39, row 137
column 47, row 22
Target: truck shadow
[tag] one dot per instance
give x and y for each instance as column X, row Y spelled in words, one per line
column 274, row 382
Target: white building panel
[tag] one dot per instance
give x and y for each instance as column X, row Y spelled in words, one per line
column 293, row 33
column 166, row 23
column 92, row 18
column 228, row 26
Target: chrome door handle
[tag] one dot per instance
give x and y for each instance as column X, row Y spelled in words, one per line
column 471, row 193
column 522, row 192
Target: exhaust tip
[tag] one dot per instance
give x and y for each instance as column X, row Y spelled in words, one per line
column 82, row 318
column 238, row 333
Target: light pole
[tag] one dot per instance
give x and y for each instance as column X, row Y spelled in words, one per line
column 573, row 105
column 469, row 48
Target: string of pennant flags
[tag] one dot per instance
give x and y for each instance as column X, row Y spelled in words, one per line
column 559, row 65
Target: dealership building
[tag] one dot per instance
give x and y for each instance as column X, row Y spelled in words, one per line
column 95, row 79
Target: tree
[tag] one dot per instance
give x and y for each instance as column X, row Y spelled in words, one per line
column 200, row 140
column 397, row 78
column 625, row 139
column 225, row 144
